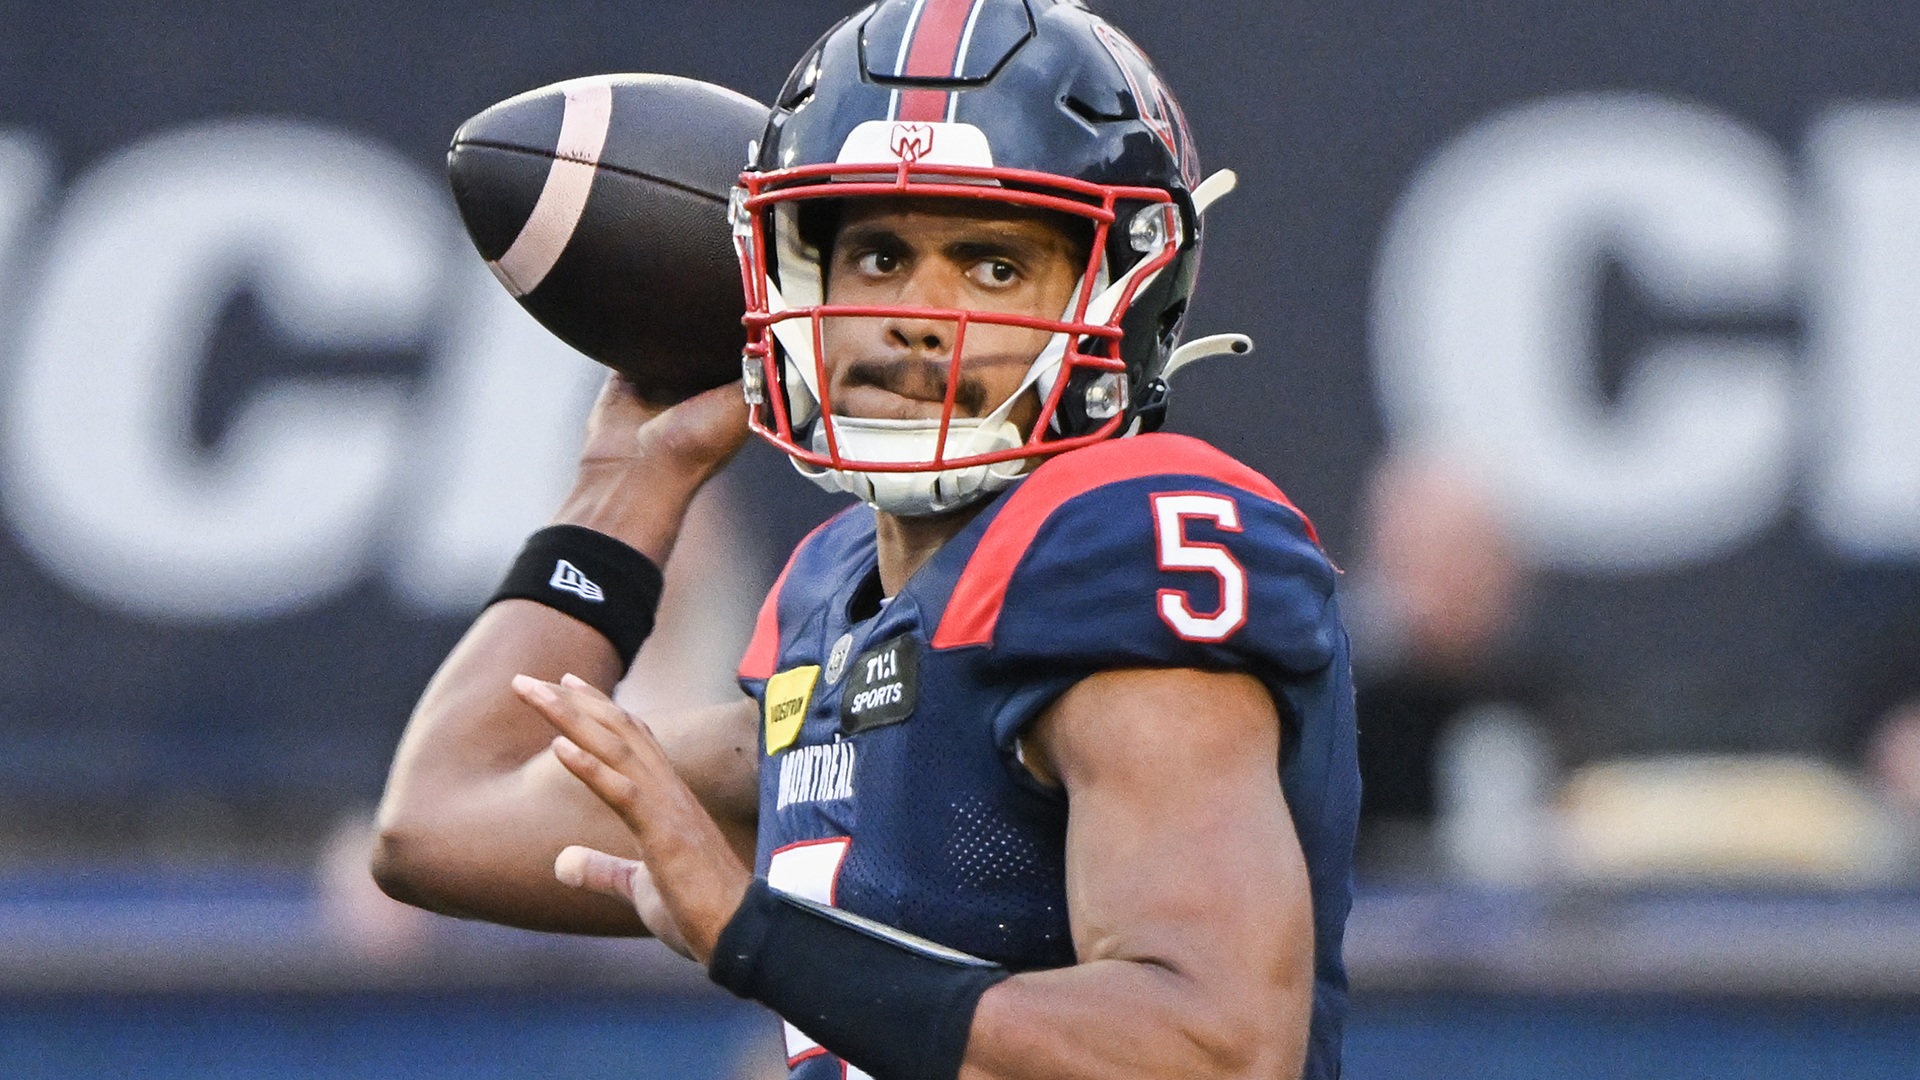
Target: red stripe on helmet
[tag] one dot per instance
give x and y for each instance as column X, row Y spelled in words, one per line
column 982, row 589
column 934, row 53
column 923, row 106
column 936, row 39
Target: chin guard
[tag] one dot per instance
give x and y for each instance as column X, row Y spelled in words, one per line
column 915, row 494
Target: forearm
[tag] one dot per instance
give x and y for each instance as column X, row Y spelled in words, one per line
column 1117, row 1019
column 476, row 806
column 1232, row 1003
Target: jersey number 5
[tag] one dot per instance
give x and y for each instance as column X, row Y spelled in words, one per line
column 810, row 868
column 1170, row 514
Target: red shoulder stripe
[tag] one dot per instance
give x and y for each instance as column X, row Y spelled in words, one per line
column 982, row 589
column 763, row 652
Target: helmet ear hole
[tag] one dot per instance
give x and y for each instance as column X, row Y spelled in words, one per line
column 1170, row 322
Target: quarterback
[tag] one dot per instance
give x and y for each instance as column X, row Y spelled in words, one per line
column 1045, row 765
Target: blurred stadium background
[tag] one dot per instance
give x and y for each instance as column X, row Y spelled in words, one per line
column 1588, row 334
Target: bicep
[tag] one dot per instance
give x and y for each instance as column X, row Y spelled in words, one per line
column 1175, row 807
column 1181, row 852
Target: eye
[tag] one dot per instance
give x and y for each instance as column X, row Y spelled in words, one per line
column 994, row 273
column 876, row 263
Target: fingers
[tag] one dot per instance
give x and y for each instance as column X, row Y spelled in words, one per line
column 701, row 433
column 699, row 878
column 617, row 413
column 596, row 871
column 585, row 689
column 655, row 914
column 628, row 879
column 614, row 755
column 592, row 720
column 612, row 786
column 620, row 400
column 722, row 404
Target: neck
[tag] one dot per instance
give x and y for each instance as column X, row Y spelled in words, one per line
column 906, row 543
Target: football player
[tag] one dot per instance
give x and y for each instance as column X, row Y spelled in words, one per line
column 1046, row 767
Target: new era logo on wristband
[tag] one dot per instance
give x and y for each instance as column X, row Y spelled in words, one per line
column 568, row 577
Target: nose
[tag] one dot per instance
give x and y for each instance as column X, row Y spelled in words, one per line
column 923, row 289
column 926, row 336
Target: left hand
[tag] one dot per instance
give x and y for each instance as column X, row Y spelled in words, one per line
column 688, row 882
column 582, row 867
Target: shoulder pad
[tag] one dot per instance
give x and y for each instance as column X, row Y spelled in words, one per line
column 827, row 544
column 1157, row 550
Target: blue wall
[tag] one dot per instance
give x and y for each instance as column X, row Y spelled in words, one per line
column 484, row 1037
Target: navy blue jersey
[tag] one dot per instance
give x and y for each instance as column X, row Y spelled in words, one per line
column 890, row 784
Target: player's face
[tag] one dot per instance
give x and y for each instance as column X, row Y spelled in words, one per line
column 942, row 253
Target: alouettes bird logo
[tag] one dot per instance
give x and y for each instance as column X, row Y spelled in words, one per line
column 1158, row 110
column 911, row 142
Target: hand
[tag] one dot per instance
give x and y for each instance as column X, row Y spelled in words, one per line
column 641, row 465
column 702, row 432
column 626, row 879
column 693, row 874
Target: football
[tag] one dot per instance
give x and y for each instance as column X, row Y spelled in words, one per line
column 601, row 204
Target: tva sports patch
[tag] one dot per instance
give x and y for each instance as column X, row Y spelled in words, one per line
column 788, row 694
column 883, row 684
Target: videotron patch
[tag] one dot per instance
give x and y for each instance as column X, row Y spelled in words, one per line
column 788, row 695
column 883, row 684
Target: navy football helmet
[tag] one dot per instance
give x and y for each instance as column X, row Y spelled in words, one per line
column 1038, row 103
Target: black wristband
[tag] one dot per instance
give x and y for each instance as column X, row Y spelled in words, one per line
column 592, row 577
column 895, row 1005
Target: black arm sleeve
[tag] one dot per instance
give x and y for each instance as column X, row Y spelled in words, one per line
column 895, row 1005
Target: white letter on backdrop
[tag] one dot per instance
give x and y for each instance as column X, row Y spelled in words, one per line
column 343, row 245
column 1864, row 328
column 496, row 452
column 1483, row 325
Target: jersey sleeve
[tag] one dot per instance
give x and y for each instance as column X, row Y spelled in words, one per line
column 1172, row 556
column 814, row 558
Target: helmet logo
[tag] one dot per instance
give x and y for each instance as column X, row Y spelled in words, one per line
column 1158, row 110
column 911, row 142
column 888, row 142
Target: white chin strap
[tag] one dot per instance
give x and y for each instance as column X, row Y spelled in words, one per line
column 914, row 494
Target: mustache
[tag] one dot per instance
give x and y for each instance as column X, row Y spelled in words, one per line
column 918, row 379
